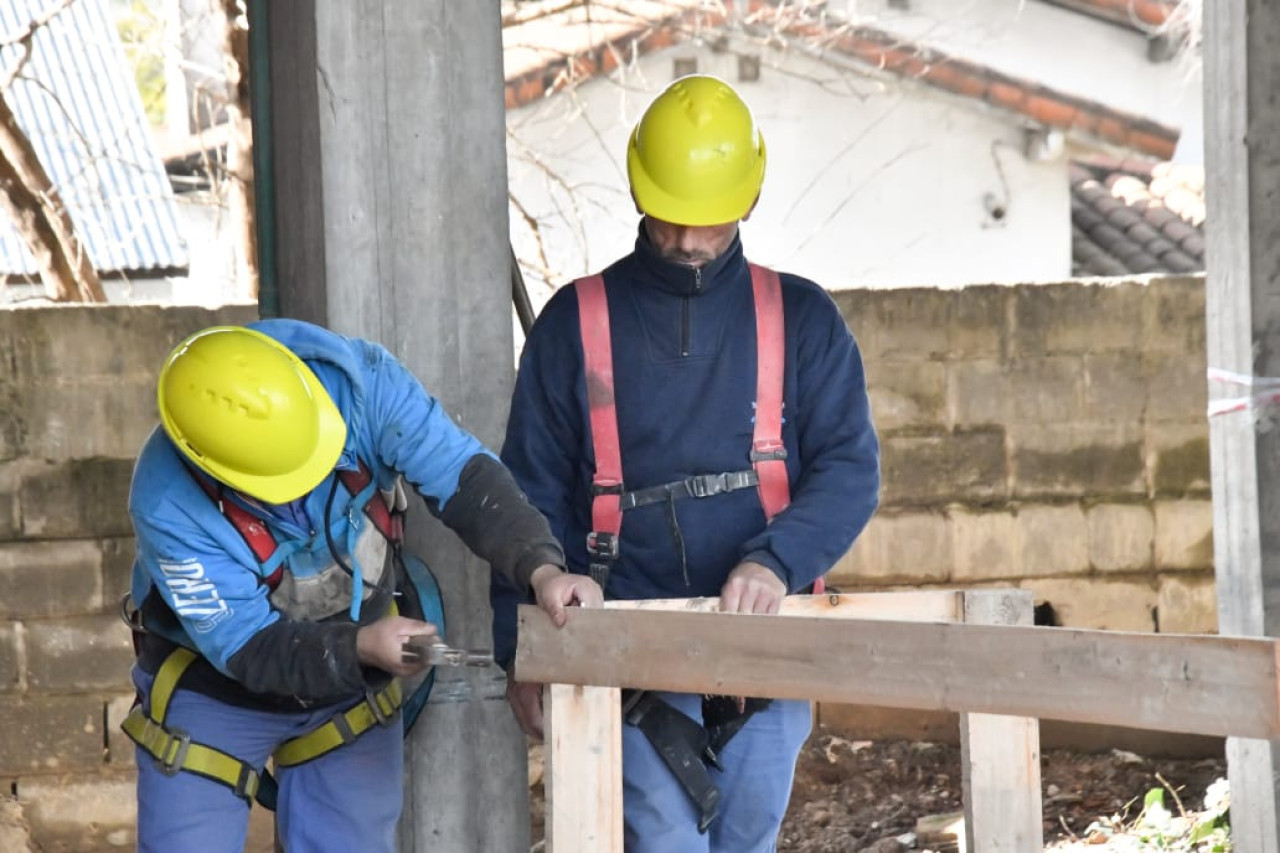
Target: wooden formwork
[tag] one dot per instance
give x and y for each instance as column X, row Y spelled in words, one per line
column 974, row 652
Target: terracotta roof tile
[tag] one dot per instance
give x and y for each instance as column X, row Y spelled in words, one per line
column 1135, row 216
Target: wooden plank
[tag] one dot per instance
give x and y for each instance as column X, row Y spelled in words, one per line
column 1000, row 755
column 922, row 606
column 584, row 769
column 1166, row 682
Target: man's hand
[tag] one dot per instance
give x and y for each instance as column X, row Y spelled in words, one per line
column 381, row 644
column 526, row 702
column 555, row 589
column 752, row 588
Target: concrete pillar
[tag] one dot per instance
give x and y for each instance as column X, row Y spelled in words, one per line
column 387, row 137
column 1242, row 147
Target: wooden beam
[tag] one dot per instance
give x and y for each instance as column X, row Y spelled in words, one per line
column 921, row 606
column 1000, row 755
column 1205, row 685
column 584, row 769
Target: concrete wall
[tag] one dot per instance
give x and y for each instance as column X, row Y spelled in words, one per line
column 77, row 398
column 1050, row 437
column 1045, row 436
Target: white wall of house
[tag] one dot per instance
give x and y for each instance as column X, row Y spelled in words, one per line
column 1062, row 49
column 871, row 182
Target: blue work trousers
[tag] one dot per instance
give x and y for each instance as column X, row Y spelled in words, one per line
column 346, row 800
column 755, row 784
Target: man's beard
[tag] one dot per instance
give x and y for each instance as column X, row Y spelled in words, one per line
column 689, row 259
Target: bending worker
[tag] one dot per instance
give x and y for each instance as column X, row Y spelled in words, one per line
column 749, row 479
column 269, row 574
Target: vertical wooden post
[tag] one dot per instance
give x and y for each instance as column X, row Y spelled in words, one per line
column 584, row 769
column 1000, row 755
column 1242, row 237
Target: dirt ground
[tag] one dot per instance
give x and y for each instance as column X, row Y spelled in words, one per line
column 866, row 797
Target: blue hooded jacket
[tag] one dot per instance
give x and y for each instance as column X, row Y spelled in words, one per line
column 199, row 583
column 684, row 362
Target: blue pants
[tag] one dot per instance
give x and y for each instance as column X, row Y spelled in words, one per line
column 755, row 785
column 348, row 799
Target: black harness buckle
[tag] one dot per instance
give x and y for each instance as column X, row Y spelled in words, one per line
column 602, row 545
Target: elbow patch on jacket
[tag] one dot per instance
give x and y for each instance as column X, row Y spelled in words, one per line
column 314, row 662
column 497, row 522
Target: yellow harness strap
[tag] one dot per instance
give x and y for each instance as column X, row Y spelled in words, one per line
column 174, row 750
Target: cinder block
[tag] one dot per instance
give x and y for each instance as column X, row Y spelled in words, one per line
column 979, row 393
column 1121, row 537
column 1111, row 605
column 122, row 414
column 77, row 499
column 117, row 570
column 934, row 469
column 908, row 394
column 11, row 657
column 49, row 578
column 1179, row 459
column 987, row 546
column 1173, row 319
column 1187, row 604
column 1184, row 534
column 1077, row 461
column 50, row 734
column 110, row 341
column 907, row 547
column 980, row 322
column 1115, row 388
column 1076, row 317
column 1047, row 390
column 97, row 812
column 120, row 749
column 1180, row 388
column 84, row 653
column 1054, row 540
column 906, row 324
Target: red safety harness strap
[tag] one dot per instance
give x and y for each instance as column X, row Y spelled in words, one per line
column 768, row 455
column 606, row 483
column 263, row 544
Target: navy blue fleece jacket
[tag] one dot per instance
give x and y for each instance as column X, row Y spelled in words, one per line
column 684, row 361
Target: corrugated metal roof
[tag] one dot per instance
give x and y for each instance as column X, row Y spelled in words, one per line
column 80, row 107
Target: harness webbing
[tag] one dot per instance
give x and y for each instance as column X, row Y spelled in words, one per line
column 768, row 455
column 174, row 750
column 606, row 483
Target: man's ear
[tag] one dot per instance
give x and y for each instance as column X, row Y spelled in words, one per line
column 747, row 215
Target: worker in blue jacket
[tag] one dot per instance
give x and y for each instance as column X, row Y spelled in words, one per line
column 658, row 374
column 273, row 598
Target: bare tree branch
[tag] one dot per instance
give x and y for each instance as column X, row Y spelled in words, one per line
column 46, row 227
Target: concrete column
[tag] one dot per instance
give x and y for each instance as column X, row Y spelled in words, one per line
column 388, row 142
column 1242, row 147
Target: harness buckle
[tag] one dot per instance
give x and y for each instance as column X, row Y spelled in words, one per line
column 371, row 697
column 602, row 544
column 765, row 451
column 707, row 485
column 171, row 757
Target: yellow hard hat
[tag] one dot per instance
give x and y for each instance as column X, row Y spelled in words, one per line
column 248, row 412
column 696, row 156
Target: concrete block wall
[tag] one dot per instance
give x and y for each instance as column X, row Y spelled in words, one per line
column 1052, row 437
column 77, row 398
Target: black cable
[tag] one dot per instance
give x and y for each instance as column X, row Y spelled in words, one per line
column 333, row 550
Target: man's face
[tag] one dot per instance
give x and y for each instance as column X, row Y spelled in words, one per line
column 691, row 245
